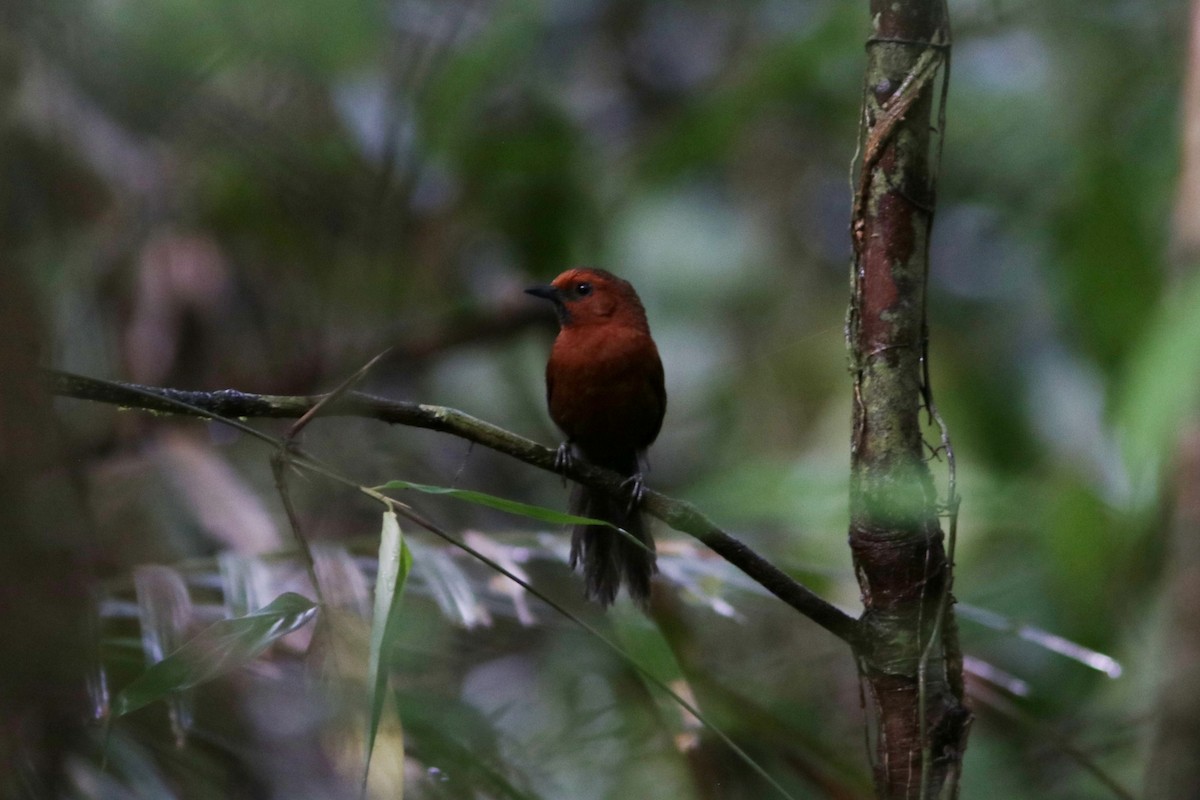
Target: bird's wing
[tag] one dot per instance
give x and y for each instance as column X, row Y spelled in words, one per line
column 659, row 388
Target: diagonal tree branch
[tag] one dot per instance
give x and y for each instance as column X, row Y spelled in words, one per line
column 680, row 515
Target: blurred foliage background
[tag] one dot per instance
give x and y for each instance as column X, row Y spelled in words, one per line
column 263, row 196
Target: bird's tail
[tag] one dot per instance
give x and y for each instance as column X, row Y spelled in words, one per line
column 609, row 558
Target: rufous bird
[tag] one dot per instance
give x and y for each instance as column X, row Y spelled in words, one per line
column 604, row 386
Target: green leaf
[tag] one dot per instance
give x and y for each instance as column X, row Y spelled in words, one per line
column 395, row 561
column 1161, row 386
column 164, row 612
column 221, row 647
column 501, row 504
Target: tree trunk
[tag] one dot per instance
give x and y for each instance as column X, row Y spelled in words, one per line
column 908, row 651
column 44, row 592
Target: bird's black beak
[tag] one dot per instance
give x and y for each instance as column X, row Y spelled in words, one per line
column 551, row 293
column 546, row 292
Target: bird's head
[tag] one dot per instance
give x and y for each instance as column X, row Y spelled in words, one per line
column 592, row 297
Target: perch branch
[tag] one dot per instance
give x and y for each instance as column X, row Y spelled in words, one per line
column 680, row 515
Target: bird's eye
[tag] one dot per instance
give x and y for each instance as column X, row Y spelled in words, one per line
column 583, row 289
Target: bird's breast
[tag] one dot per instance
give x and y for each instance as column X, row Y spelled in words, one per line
column 605, row 390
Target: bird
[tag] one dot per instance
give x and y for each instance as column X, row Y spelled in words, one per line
column 606, row 393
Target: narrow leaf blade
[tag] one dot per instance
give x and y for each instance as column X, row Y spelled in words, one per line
column 220, row 648
column 1161, row 388
column 539, row 513
column 395, row 562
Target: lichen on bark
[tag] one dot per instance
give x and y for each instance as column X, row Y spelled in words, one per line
column 907, row 651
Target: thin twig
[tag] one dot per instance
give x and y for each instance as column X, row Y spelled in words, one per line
column 332, row 397
column 279, row 465
column 281, row 461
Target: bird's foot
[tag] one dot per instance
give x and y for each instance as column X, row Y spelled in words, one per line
column 635, row 484
column 564, row 459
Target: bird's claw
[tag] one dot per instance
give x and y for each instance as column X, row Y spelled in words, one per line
column 636, row 486
column 564, row 459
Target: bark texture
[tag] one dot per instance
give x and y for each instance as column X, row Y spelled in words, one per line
column 908, row 652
